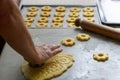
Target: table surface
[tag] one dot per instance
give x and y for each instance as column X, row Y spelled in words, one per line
column 84, row 68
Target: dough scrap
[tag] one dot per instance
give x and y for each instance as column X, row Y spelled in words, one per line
column 53, row 67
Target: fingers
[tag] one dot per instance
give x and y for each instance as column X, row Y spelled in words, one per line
column 53, row 47
column 56, row 51
column 49, row 49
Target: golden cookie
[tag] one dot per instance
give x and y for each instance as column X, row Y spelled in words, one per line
column 56, row 25
column 60, row 9
column 53, row 67
column 33, row 9
column 71, row 25
column 43, row 20
column 29, row 19
column 59, row 14
column 28, row 24
column 91, row 19
column 88, row 14
column 31, row 14
column 45, row 14
column 75, row 9
column 46, row 8
column 88, row 9
column 41, row 25
column 100, row 56
column 68, row 41
column 73, row 14
column 58, row 19
column 83, row 37
column 71, row 20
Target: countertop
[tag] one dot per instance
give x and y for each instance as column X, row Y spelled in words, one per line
column 84, row 67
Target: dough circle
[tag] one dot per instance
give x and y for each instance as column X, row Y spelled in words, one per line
column 53, row 67
column 43, row 20
column 31, row 14
column 88, row 14
column 29, row 19
column 88, row 9
column 68, row 41
column 74, row 9
column 58, row 19
column 83, row 37
column 32, row 9
column 56, row 25
column 41, row 25
column 71, row 20
column 71, row 25
column 73, row 14
column 100, row 56
column 45, row 14
column 28, row 24
column 59, row 14
column 91, row 19
column 46, row 8
column 60, row 9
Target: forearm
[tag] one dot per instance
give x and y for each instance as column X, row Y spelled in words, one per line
column 15, row 33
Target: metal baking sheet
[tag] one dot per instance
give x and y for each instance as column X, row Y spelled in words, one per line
column 84, row 67
column 65, row 24
column 109, row 14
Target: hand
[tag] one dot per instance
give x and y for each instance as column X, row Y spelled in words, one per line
column 45, row 51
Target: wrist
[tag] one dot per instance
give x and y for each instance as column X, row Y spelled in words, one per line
column 34, row 58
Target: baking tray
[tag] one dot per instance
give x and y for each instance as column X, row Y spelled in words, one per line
column 109, row 11
column 65, row 24
column 84, row 67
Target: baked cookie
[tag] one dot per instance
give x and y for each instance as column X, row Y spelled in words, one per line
column 68, row 41
column 88, row 9
column 91, row 19
column 88, row 14
column 33, row 9
column 29, row 19
column 31, row 14
column 75, row 9
column 83, row 37
column 73, row 14
column 41, row 25
column 71, row 25
column 43, row 20
column 100, row 56
column 60, row 9
column 59, row 14
column 56, row 25
column 45, row 14
column 46, row 8
column 71, row 20
column 28, row 24
column 58, row 19
column 53, row 67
